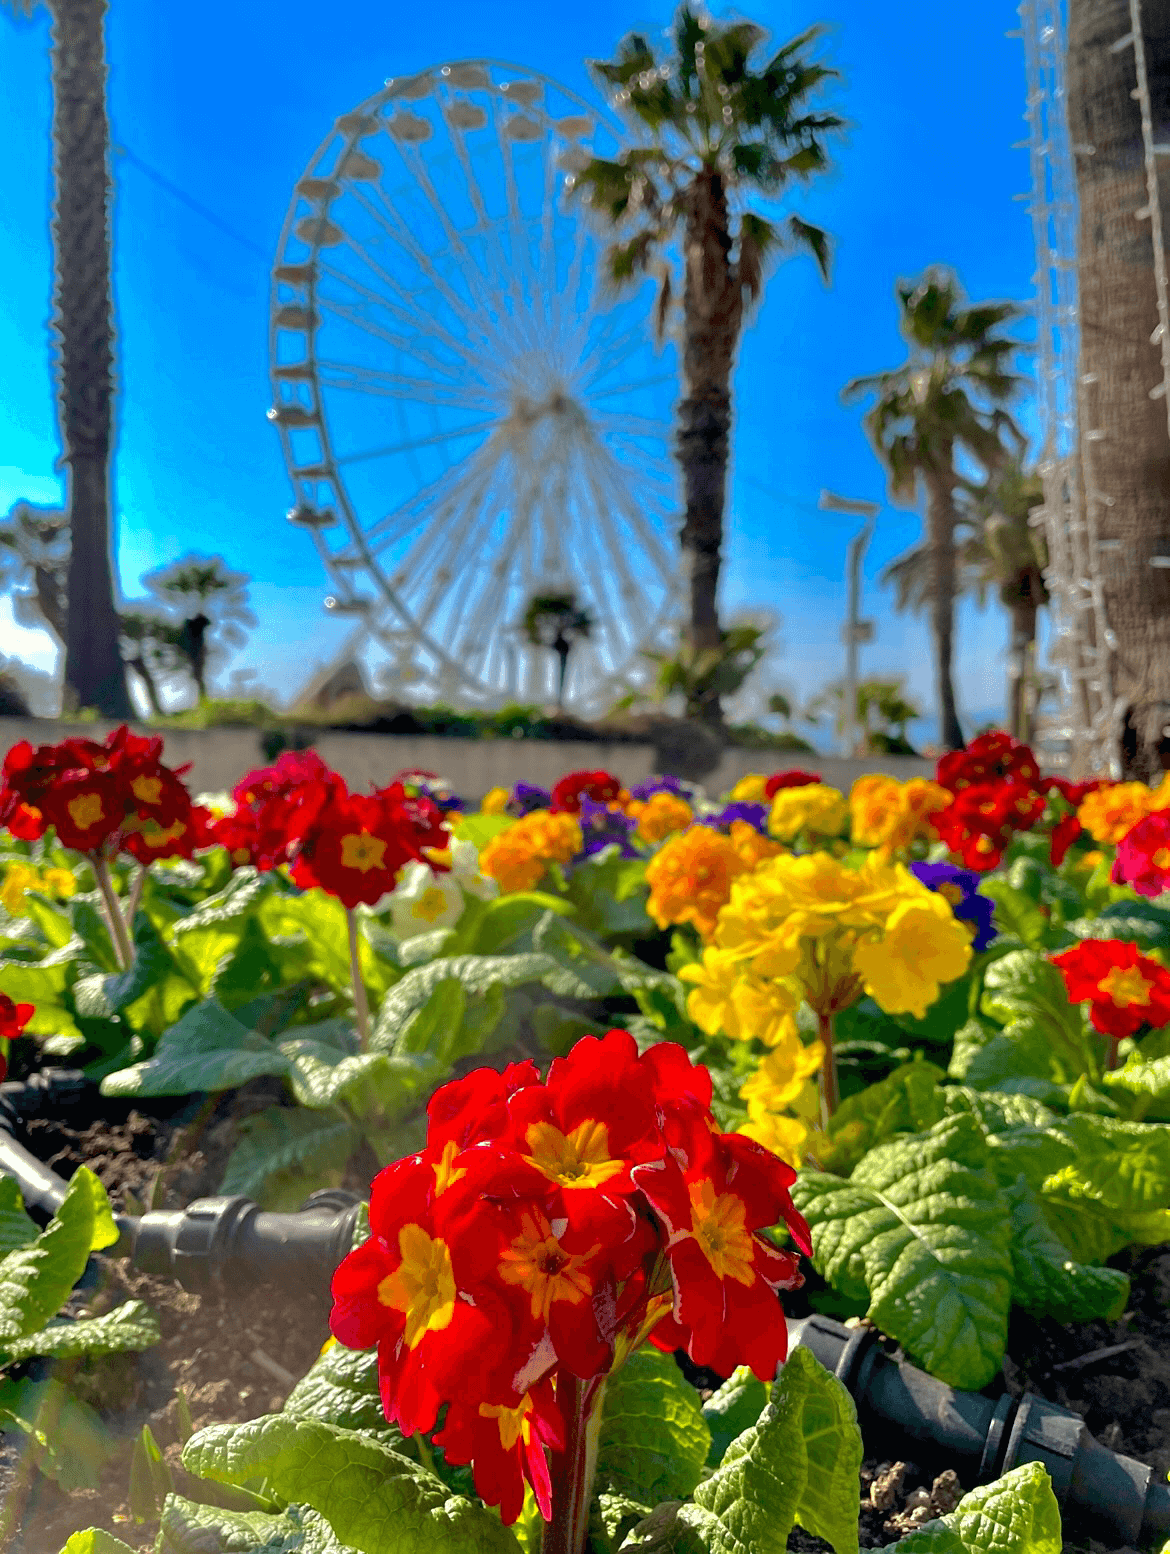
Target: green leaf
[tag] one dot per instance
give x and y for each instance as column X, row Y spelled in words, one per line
column 206, row 1050
column 95, row 1540
column 1046, row 1280
column 1115, row 1188
column 1017, row 1059
column 1017, row 912
column 476, row 976
column 1143, row 922
column 35, row 1280
column 821, row 1421
column 128, row 1329
column 1143, row 1082
column 100, row 997
column 150, row 1478
column 1016, row 1514
column 907, row 1101
column 16, row 1229
column 609, row 894
column 374, row 1499
column 341, row 1386
column 921, row 1228
column 1025, row 986
column 800, row 1462
column 654, row 1439
column 480, row 829
column 508, row 921
column 190, row 1528
column 70, row 1443
column 733, row 1408
column 285, row 1153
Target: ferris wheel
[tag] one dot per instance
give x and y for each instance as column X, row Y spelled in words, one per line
column 468, row 417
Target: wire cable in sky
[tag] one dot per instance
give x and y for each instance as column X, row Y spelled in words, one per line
column 192, row 204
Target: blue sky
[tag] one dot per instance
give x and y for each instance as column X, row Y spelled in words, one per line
column 228, row 101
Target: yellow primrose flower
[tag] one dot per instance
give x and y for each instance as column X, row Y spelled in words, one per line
column 727, row 999
column 784, row 1136
column 752, row 789
column 923, row 945
column 660, row 816
column 815, row 808
column 495, row 801
column 1110, row 812
column 60, row 882
column 782, row 1076
column 17, row 879
column 890, row 814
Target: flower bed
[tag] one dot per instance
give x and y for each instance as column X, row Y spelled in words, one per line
column 900, row 1056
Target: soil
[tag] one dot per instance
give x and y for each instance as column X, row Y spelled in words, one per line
column 237, row 1356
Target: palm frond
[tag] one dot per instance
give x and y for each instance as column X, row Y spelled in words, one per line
column 815, row 239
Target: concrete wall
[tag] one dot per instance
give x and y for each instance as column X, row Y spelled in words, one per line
column 219, row 758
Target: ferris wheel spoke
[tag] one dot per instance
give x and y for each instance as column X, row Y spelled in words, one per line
column 354, row 317
column 391, row 222
column 454, row 434
column 396, row 385
column 608, row 350
column 617, row 552
column 633, row 388
column 462, row 501
column 504, row 266
column 424, row 324
column 617, row 486
column 521, row 253
column 441, row 495
column 448, row 547
column 471, row 266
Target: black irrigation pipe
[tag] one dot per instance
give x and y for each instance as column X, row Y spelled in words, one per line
column 230, row 1242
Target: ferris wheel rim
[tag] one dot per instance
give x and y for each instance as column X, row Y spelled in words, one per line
column 377, row 611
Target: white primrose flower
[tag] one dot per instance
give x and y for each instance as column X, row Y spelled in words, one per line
column 425, row 899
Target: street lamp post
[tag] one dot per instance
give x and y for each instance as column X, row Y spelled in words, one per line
column 855, row 631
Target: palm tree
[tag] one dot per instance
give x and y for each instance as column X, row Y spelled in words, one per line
column 1120, row 363
column 999, row 548
column 208, row 607
column 82, row 321
column 882, row 712
column 558, row 622
column 150, row 647
column 34, row 549
column 948, row 398
column 710, row 133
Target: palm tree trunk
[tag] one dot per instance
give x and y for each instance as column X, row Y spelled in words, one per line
column 1023, row 615
column 940, row 529
column 1119, row 364
column 142, row 670
column 94, row 672
column 712, row 315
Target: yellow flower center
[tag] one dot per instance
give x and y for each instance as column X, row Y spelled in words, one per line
column 362, row 851
column 718, row 1224
column 447, row 1173
column 86, row 810
column 430, row 905
column 147, row 790
column 422, row 1287
column 1161, row 859
column 1126, row 986
column 513, row 1423
column 538, row 1263
column 950, row 892
column 577, row 1159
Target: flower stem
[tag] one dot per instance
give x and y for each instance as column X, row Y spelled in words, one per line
column 361, row 1004
column 134, row 898
column 829, row 1093
column 123, row 946
column 573, row 1469
column 1111, row 1052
